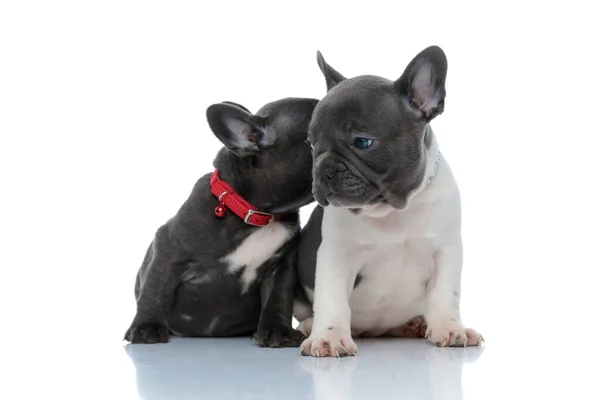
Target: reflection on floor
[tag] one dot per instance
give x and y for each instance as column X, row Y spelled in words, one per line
column 235, row 369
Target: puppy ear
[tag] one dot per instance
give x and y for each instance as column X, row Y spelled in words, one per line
column 239, row 130
column 236, row 104
column 422, row 86
column 332, row 77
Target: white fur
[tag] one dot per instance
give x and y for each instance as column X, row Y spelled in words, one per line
column 410, row 261
column 257, row 248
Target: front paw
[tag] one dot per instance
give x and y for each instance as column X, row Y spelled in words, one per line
column 276, row 337
column 453, row 334
column 147, row 332
column 332, row 342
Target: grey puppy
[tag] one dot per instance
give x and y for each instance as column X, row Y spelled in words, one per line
column 220, row 267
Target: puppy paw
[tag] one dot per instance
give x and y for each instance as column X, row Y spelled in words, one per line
column 332, row 342
column 147, row 332
column 278, row 337
column 306, row 326
column 452, row 334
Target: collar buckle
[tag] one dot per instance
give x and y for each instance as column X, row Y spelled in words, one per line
column 264, row 214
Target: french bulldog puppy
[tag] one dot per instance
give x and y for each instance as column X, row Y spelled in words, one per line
column 224, row 265
column 382, row 253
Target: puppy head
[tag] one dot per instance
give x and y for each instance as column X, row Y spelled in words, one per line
column 269, row 149
column 370, row 135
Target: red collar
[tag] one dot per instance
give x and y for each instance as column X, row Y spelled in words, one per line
column 236, row 203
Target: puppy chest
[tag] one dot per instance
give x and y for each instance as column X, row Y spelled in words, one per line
column 257, row 248
column 393, row 282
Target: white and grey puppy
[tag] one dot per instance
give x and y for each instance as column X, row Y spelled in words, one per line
column 382, row 253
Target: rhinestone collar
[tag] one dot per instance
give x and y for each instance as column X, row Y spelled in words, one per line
column 435, row 168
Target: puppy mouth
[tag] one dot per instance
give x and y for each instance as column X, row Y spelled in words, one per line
column 353, row 194
column 379, row 200
column 344, row 202
column 322, row 199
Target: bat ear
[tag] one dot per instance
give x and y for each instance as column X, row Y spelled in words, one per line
column 332, row 77
column 422, row 86
column 238, row 129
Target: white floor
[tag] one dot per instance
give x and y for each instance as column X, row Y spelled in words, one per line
column 235, row 369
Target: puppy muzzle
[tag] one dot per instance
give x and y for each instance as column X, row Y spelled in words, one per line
column 335, row 183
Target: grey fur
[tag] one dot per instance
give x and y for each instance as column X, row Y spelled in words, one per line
column 182, row 286
column 387, row 112
column 310, row 240
column 396, row 116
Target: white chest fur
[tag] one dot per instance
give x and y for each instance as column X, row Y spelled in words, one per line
column 257, row 248
column 393, row 286
column 394, row 253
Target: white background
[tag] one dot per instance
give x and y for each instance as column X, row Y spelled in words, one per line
column 103, row 134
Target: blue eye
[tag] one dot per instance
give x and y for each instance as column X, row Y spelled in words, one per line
column 362, row 143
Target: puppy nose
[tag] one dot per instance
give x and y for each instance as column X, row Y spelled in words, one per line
column 327, row 173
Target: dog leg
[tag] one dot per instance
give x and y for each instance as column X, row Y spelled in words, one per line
column 277, row 292
column 155, row 293
column 443, row 299
column 334, row 281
